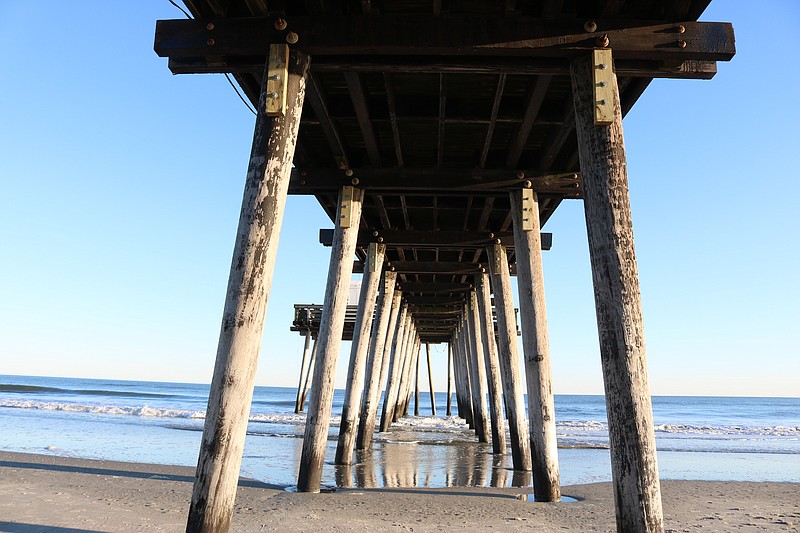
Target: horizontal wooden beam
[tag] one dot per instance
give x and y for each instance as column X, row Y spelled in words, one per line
column 397, row 180
column 433, row 287
column 438, row 238
column 457, row 300
column 630, row 68
column 456, row 36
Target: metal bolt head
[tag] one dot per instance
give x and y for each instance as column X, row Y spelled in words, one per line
column 497, row 241
column 602, row 41
column 210, row 26
column 280, row 24
column 601, row 66
column 590, row 26
column 380, row 239
column 374, row 233
column 211, row 42
column 491, row 235
column 681, row 28
column 527, row 184
column 348, row 172
column 520, row 175
column 302, row 182
column 292, row 37
column 681, row 43
column 354, row 181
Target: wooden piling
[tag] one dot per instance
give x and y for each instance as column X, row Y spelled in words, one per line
column 430, row 379
column 637, row 493
column 387, row 305
column 463, row 360
column 449, row 411
column 405, row 355
column 493, row 379
column 535, row 345
column 404, row 389
column 246, row 299
column 416, row 388
column 477, row 370
column 508, row 355
column 354, row 387
column 303, row 370
column 309, row 373
column 393, row 378
column 330, row 338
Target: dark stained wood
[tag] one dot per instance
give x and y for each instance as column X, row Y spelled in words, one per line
column 498, row 95
column 391, row 102
column 441, row 239
column 331, row 131
column 637, row 492
column 362, row 113
column 452, row 36
column 535, row 101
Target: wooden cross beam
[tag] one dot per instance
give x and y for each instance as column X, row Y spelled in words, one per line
column 439, row 238
column 414, row 35
column 396, row 180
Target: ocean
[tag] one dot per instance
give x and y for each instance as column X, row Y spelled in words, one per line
column 709, row 438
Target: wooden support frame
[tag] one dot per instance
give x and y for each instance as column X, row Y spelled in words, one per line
column 309, row 373
column 509, row 359
column 536, row 346
column 304, row 371
column 329, row 339
column 388, row 311
column 637, row 491
column 430, row 379
column 449, row 408
column 358, row 355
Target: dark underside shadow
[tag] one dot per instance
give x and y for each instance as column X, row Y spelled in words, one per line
column 15, row 527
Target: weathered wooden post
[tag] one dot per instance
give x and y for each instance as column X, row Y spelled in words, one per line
column 449, row 411
column 637, row 492
column 358, row 354
column 405, row 355
column 267, row 182
column 535, row 345
column 499, row 444
column 329, row 338
column 477, row 370
column 509, row 358
column 303, row 368
column 395, row 359
column 404, row 393
column 430, row 379
column 388, row 306
column 416, row 388
column 309, row 373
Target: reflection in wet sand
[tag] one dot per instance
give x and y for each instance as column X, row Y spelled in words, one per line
column 402, row 458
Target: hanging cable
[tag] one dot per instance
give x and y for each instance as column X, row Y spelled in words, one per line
column 227, row 76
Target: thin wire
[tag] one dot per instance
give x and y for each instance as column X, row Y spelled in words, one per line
column 227, row 76
column 188, row 16
column 245, row 102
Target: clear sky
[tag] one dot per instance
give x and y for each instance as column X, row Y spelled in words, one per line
column 121, row 187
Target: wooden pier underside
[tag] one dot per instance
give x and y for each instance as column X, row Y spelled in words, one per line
column 437, row 109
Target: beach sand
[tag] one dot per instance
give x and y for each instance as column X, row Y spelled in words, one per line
column 40, row 493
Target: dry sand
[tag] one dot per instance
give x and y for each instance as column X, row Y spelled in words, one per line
column 61, row 495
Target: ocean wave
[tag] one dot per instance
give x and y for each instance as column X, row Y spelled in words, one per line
column 27, row 389
column 693, row 429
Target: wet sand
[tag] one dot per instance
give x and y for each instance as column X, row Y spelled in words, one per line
column 50, row 494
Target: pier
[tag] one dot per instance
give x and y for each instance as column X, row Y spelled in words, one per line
column 439, row 137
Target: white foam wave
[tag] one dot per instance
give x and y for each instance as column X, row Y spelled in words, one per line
column 431, row 423
column 138, row 410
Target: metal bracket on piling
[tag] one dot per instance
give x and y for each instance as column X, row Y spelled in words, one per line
column 347, row 207
column 277, row 80
column 603, row 73
column 527, row 206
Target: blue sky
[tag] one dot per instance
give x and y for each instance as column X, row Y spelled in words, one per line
column 122, row 184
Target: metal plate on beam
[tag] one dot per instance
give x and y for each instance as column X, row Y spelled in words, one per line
column 346, row 211
column 277, row 80
column 603, row 74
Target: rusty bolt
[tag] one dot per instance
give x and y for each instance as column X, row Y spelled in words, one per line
column 374, row 233
column 210, row 26
column 380, row 239
column 211, row 42
column 491, row 235
column 498, row 241
column 681, row 28
column 681, row 43
column 292, row 37
column 590, row 26
column 280, row 24
column 527, row 184
column 392, row 269
column 354, row 181
column 348, row 172
column 602, row 41
column 520, row 175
